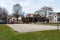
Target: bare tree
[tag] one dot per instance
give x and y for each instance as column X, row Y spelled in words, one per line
column 45, row 9
column 3, row 14
column 17, row 9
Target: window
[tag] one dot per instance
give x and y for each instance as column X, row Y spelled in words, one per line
column 58, row 19
column 50, row 13
column 55, row 16
column 55, row 19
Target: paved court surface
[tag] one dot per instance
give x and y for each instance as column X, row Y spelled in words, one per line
column 30, row 27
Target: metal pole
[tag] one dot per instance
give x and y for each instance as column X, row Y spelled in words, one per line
column 50, row 20
column 57, row 23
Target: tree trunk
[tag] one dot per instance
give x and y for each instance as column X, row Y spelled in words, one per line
column 17, row 19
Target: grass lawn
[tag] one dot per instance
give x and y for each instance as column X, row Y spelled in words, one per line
column 7, row 33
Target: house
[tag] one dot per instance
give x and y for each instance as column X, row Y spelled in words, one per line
column 56, row 18
column 34, row 18
column 11, row 18
column 53, row 17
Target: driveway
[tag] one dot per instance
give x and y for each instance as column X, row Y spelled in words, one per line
column 30, row 27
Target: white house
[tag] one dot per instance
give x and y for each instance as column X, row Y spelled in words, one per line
column 57, row 18
column 53, row 17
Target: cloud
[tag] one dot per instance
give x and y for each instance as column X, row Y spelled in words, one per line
column 30, row 5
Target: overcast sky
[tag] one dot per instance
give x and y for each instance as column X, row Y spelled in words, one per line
column 29, row 6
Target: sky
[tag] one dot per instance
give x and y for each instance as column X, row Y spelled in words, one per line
column 29, row 6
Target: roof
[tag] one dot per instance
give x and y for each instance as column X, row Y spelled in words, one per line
column 58, row 14
column 29, row 15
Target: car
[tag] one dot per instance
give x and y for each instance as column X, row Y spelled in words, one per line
column 12, row 22
column 2, row 22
